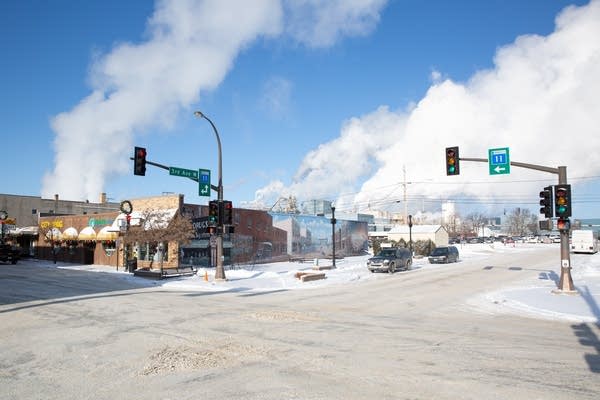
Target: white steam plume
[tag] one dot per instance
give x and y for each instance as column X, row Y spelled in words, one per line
column 191, row 46
column 542, row 91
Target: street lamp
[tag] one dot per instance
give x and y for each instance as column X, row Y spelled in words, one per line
column 410, row 225
column 333, row 221
column 220, row 271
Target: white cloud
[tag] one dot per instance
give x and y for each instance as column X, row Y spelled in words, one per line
column 320, row 23
column 190, row 46
column 542, row 92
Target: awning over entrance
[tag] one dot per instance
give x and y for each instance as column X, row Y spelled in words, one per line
column 70, row 234
column 53, row 234
column 87, row 234
column 24, row 231
column 107, row 233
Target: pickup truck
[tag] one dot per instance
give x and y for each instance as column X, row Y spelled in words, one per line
column 8, row 253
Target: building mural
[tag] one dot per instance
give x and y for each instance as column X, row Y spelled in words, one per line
column 311, row 236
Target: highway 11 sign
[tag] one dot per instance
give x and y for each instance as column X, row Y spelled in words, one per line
column 204, row 182
column 499, row 161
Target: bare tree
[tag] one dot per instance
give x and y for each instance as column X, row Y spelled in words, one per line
column 520, row 221
column 159, row 226
column 452, row 225
column 477, row 222
column 50, row 231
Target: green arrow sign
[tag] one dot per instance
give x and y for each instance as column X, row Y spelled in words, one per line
column 204, row 182
column 499, row 161
column 186, row 173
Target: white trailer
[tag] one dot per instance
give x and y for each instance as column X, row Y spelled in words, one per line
column 584, row 241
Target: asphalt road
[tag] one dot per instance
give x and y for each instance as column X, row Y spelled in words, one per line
column 85, row 335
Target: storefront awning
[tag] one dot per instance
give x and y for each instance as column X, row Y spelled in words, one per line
column 53, row 234
column 70, row 234
column 87, row 233
column 24, row 231
column 107, row 233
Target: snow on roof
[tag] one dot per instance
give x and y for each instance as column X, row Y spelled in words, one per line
column 158, row 219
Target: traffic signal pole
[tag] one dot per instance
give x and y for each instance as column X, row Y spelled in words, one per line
column 565, row 285
column 219, row 270
column 566, row 280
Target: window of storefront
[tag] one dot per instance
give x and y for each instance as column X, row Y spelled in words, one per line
column 150, row 252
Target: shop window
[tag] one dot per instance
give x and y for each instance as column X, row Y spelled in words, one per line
column 150, row 252
column 109, row 247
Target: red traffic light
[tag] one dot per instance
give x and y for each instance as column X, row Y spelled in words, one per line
column 563, row 224
column 227, row 212
column 139, row 161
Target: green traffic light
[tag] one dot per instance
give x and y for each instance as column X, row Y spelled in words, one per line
column 451, row 169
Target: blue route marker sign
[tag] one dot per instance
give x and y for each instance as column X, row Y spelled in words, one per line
column 499, row 161
column 204, row 182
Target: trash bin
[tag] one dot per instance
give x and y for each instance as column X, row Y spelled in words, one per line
column 131, row 264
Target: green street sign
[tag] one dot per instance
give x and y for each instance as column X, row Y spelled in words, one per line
column 186, row 173
column 204, row 182
column 499, row 161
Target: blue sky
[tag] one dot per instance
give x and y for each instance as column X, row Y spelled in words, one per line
column 311, row 99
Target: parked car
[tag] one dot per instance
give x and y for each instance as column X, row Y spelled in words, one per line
column 554, row 238
column 443, row 254
column 532, row 239
column 390, row 259
column 9, row 253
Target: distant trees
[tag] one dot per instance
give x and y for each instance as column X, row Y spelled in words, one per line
column 475, row 222
column 521, row 221
column 420, row 247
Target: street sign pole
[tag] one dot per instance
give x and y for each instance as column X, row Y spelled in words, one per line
column 565, row 284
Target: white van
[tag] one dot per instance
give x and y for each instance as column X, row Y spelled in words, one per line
column 584, row 241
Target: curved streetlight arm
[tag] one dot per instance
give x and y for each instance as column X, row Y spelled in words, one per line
column 199, row 114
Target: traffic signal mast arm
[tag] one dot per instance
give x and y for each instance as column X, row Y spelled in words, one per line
column 213, row 187
column 565, row 283
column 522, row 165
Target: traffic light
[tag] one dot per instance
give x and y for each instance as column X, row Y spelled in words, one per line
column 563, row 224
column 227, row 212
column 452, row 161
column 546, row 202
column 213, row 212
column 139, row 161
column 562, row 201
